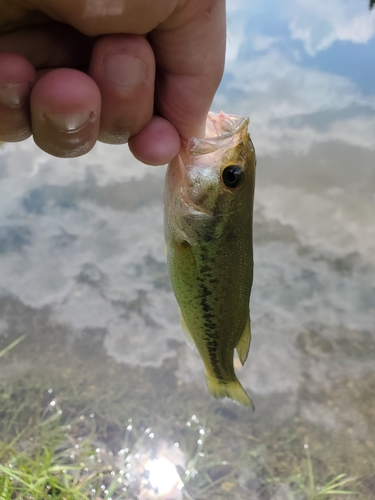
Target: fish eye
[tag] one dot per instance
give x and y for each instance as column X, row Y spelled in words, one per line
column 232, row 176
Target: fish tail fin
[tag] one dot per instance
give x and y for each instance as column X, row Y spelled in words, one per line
column 232, row 389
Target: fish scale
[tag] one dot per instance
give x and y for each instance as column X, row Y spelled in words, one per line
column 208, row 233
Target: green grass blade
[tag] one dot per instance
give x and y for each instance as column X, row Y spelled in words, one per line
column 13, row 344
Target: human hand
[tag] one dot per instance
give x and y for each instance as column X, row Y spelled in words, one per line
column 76, row 71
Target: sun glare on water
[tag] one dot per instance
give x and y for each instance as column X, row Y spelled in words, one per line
column 163, row 477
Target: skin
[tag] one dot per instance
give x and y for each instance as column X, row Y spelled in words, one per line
column 145, row 72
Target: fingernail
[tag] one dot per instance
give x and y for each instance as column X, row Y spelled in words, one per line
column 14, row 95
column 71, row 122
column 118, row 136
column 124, row 69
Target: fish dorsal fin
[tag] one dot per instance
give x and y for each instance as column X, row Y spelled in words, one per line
column 243, row 345
column 189, row 339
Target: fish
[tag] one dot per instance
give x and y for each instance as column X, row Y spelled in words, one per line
column 208, row 219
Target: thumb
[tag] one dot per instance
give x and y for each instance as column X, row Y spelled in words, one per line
column 189, row 50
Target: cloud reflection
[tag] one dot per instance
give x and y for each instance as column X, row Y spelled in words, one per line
column 319, row 24
column 294, row 100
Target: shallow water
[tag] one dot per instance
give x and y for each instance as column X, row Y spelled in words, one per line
column 84, row 274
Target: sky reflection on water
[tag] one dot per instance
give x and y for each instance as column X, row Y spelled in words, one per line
column 83, row 236
column 303, row 72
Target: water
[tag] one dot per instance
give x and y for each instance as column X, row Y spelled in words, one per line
column 84, row 277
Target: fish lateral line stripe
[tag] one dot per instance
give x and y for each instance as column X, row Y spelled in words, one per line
column 211, row 272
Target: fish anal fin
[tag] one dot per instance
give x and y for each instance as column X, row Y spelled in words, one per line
column 189, row 339
column 243, row 345
column 232, row 389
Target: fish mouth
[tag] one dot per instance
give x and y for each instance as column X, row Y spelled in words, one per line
column 177, row 174
column 223, row 131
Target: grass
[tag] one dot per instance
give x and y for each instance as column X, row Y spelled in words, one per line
column 77, row 441
column 63, row 461
column 66, row 459
column 333, row 487
column 12, row 345
column 52, row 463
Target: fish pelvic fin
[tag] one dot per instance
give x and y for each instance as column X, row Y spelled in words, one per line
column 243, row 345
column 232, row 389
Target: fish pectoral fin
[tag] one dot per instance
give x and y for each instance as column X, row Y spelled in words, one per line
column 232, row 389
column 189, row 339
column 243, row 345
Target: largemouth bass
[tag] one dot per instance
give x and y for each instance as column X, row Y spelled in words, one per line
column 208, row 200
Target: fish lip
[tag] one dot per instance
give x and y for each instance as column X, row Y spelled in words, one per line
column 230, row 130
